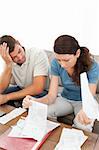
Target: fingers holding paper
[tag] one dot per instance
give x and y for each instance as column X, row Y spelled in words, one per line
column 27, row 101
column 83, row 118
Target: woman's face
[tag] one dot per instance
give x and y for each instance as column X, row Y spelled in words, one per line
column 67, row 61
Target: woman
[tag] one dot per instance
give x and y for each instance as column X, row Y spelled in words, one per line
column 70, row 61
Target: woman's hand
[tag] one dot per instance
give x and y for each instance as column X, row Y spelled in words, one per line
column 27, row 101
column 82, row 118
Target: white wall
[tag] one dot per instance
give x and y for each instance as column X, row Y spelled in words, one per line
column 38, row 23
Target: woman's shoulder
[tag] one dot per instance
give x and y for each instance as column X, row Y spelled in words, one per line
column 95, row 66
column 54, row 62
column 93, row 73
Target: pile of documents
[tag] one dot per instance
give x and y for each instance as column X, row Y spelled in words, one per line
column 35, row 125
column 71, row 139
column 30, row 132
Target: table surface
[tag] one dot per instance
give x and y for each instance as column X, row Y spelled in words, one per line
column 92, row 143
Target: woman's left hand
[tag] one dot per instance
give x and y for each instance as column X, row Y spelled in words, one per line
column 83, row 118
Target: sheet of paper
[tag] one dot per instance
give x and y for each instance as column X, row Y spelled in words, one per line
column 90, row 105
column 35, row 123
column 17, row 131
column 2, row 113
column 11, row 115
column 51, row 125
column 71, row 139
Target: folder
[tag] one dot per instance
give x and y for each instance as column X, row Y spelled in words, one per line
column 13, row 143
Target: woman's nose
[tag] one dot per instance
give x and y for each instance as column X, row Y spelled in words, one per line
column 62, row 62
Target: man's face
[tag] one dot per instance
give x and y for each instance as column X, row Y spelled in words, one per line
column 18, row 55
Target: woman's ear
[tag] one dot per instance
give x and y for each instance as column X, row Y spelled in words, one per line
column 77, row 53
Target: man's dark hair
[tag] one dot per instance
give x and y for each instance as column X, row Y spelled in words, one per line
column 10, row 42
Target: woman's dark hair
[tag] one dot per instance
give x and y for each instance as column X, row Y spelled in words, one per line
column 67, row 44
column 10, row 42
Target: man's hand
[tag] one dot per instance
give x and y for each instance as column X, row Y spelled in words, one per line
column 4, row 52
column 82, row 118
column 27, row 101
column 3, row 99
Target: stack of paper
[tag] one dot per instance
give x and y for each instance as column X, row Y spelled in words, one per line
column 36, row 121
column 31, row 132
column 71, row 139
column 90, row 105
column 35, row 125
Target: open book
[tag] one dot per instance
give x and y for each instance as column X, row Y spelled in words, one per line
column 18, row 143
column 31, row 132
column 13, row 143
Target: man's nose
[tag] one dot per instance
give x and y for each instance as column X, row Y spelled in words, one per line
column 19, row 57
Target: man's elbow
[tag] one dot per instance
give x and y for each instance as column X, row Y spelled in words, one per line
column 1, row 90
column 38, row 91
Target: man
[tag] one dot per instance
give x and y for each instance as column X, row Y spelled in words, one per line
column 27, row 69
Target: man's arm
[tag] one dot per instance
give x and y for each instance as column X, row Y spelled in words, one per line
column 48, row 99
column 6, row 75
column 35, row 88
column 5, row 78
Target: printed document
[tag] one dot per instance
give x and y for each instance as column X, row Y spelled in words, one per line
column 90, row 105
column 35, row 125
column 71, row 139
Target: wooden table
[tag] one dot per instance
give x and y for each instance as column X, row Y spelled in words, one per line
column 92, row 143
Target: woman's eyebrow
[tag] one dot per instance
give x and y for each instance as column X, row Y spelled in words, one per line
column 58, row 59
column 63, row 59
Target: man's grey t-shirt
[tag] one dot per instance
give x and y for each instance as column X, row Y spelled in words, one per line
column 36, row 64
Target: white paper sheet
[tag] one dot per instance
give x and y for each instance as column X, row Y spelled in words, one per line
column 17, row 131
column 35, row 125
column 71, row 139
column 90, row 105
column 11, row 115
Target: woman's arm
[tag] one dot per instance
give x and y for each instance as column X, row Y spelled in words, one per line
column 93, row 88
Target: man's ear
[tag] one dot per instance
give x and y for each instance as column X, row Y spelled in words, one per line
column 78, row 53
column 18, row 42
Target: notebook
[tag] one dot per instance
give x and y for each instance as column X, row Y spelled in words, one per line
column 13, row 143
